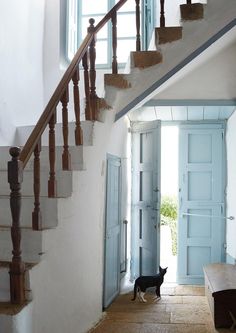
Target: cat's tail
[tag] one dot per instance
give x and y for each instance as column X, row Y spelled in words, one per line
column 135, row 292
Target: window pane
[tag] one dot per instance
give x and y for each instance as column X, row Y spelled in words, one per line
column 128, row 6
column 85, row 24
column 101, row 53
column 123, row 49
column 126, row 25
column 94, row 6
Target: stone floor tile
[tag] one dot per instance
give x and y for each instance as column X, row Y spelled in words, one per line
column 108, row 326
column 171, row 299
column 140, row 317
column 168, row 291
column 172, row 328
column 189, row 314
column 189, row 290
column 194, row 300
column 135, row 306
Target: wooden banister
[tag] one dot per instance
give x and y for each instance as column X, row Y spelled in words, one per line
column 85, row 56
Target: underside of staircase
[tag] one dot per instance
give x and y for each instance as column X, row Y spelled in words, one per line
column 42, row 250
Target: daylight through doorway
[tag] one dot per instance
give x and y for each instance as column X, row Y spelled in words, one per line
column 169, row 200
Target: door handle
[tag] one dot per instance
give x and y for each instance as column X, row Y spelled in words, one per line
column 156, row 189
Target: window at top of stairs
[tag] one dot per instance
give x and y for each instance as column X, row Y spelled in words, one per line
column 78, row 15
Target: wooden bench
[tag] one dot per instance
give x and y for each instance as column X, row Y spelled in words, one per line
column 220, row 289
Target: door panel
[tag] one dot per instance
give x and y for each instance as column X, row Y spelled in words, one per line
column 145, row 243
column 112, row 231
column 201, row 200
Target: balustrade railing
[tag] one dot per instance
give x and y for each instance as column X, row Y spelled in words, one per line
column 86, row 58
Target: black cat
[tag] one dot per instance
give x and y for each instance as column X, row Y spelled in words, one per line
column 144, row 282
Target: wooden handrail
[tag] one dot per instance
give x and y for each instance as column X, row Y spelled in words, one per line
column 53, row 102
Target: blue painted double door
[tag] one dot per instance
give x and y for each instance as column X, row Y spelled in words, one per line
column 201, row 222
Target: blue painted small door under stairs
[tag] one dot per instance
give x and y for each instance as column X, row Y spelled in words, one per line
column 145, row 242
column 201, row 225
column 112, row 231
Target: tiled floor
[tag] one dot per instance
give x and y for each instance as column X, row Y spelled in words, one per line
column 182, row 309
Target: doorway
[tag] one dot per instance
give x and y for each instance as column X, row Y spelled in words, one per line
column 198, row 194
column 169, row 200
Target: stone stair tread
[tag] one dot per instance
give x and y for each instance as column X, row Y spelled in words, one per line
column 165, row 35
column 117, row 80
column 145, row 59
column 191, row 12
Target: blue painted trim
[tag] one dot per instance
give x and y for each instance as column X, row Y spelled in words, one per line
column 230, row 259
column 177, row 68
column 191, row 102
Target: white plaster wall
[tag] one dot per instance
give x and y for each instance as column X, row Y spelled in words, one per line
column 21, row 32
column 231, row 186
column 68, row 284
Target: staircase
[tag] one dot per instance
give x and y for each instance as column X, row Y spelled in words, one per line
column 202, row 28
column 73, row 218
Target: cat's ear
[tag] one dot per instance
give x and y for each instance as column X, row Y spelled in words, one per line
column 160, row 268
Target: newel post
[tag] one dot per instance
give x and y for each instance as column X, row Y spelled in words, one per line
column 17, row 267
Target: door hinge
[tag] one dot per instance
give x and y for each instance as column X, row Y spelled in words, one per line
column 225, row 246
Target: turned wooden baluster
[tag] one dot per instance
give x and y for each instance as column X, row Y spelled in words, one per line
column 162, row 14
column 138, row 38
column 17, row 267
column 52, row 183
column 78, row 129
column 189, row 2
column 36, row 214
column 66, row 158
column 114, row 43
column 88, row 111
column 92, row 72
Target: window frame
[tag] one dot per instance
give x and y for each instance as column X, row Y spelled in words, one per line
column 108, row 38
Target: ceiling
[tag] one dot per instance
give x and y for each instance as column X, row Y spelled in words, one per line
column 181, row 113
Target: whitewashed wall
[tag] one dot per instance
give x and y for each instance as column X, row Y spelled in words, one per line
column 67, row 285
column 21, row 38
column 231, row 187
